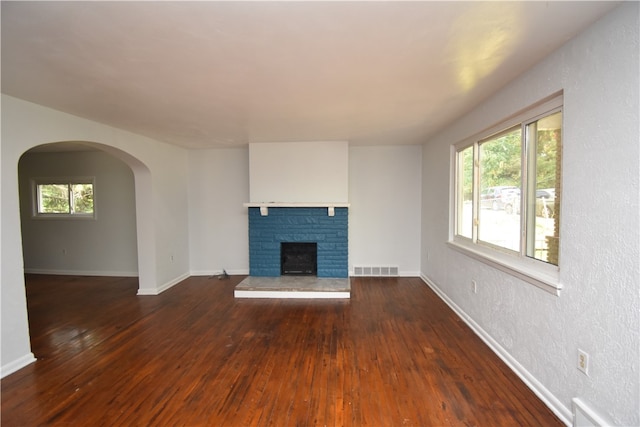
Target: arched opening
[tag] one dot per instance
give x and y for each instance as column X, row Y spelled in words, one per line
column 118, row 241
column 112, row 244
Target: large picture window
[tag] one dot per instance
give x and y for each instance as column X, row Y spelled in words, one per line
column 508, row 187
column 64, row 197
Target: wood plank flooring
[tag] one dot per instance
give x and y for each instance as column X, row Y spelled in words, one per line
column 392, row 355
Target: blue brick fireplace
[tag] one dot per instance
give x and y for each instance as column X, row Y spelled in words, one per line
column 299, row 224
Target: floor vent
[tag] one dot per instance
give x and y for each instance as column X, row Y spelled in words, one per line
column 377, row 271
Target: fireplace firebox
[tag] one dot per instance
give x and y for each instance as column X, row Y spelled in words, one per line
column 298, row 258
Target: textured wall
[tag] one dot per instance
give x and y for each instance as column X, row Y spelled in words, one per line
column 598, row 309
column 298, row 225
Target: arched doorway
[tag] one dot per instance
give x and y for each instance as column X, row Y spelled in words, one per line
column 108, row 246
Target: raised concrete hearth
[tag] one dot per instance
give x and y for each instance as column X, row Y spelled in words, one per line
column 293, row 287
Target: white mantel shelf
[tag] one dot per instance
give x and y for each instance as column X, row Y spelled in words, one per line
column 264, row 206
column 295, row 205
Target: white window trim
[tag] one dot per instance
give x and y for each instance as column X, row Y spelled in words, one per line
column 538, row 273
column 62, row 180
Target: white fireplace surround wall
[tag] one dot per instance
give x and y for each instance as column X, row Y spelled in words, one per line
column 299, row 174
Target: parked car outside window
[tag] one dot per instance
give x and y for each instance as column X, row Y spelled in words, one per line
column 546, row 193
column 545, row 203
column 499, row 197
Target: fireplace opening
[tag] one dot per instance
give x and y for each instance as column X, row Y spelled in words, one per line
column 298, row 258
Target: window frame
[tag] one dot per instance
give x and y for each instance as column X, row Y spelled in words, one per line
column 516, row 263
column 69, row 181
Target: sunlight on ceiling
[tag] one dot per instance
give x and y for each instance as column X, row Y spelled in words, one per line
column 480, row 49
column 211, row 74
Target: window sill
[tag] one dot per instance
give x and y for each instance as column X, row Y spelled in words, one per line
column 57, row 217
column 546, row 279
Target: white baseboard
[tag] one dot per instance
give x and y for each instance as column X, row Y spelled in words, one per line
column 81, row 272
column 17, row 364
column 410, row 274
column 552, row 402
column 219, row 272
column 584, row 415
column 160, row 289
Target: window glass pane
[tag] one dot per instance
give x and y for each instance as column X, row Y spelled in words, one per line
column 82, row 198
column 464, row 226
column 545, row 173
column 500, row 176
column 53, row 198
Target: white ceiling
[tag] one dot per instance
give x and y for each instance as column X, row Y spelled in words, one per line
column 210, row 74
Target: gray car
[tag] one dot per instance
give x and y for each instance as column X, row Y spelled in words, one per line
column 499, row 197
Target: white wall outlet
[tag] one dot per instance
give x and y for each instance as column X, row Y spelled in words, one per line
column 474, row 286
column 583, row 361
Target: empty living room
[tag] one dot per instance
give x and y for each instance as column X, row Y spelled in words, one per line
column 226, row 213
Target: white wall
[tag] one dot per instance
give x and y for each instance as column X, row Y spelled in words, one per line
column 384, row 217
column 218, row 223
column 105, row 246
column 299, row 172
column 598, row 309
column 160, row 172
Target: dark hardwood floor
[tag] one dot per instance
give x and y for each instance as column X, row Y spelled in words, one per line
column 393, row 355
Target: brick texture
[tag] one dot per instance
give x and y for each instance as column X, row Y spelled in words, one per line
column 299, row 225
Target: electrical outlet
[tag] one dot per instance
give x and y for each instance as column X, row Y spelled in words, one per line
column 474, row 286
column 583, row 361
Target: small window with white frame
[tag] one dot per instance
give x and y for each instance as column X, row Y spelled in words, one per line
column 64, row 197
column 507, row 186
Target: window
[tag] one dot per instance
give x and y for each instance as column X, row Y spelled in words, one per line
column 64, row 197
column 508, row 190
column 499, row 172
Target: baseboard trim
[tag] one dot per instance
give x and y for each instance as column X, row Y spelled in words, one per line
column 409, row 274
column 552, row 402
column 160, row 289
column 219, row 272
column 586, row 415
column 17, row 364
column 81, row 272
